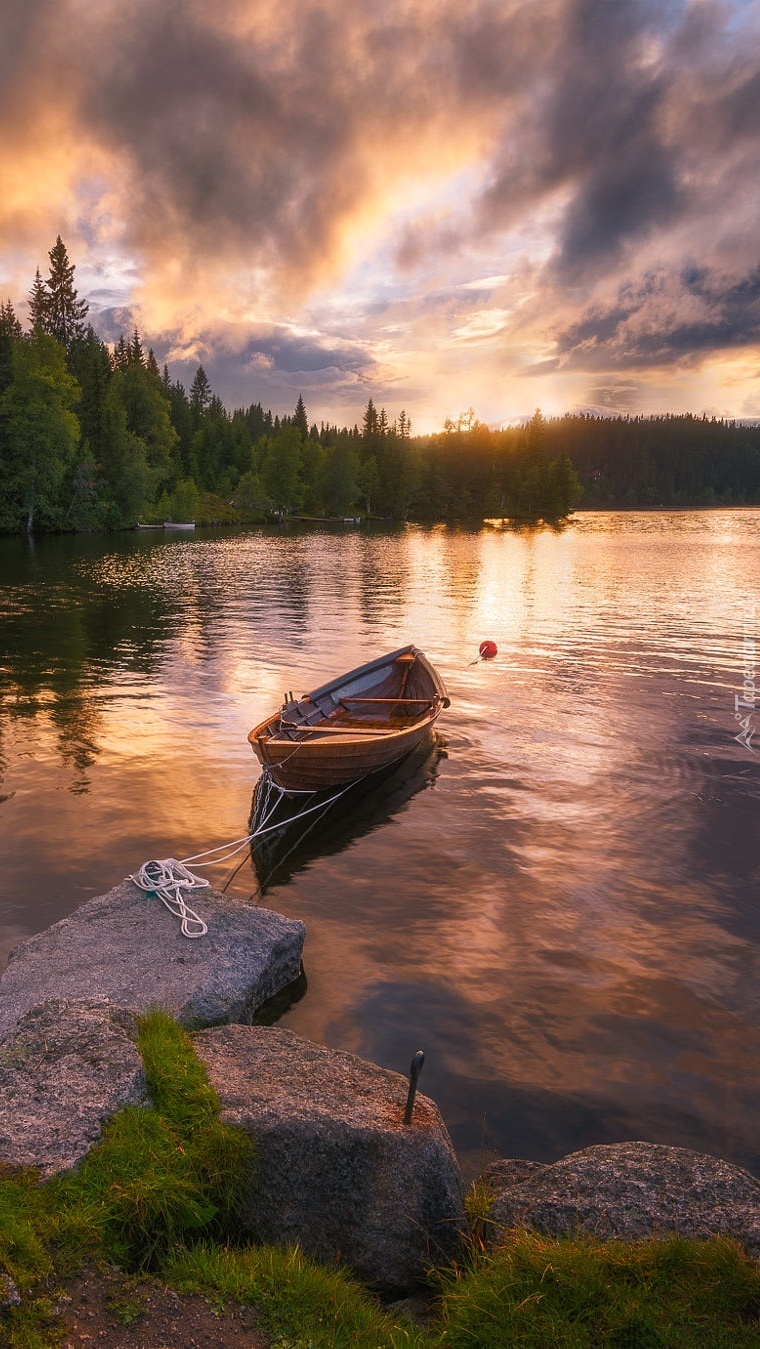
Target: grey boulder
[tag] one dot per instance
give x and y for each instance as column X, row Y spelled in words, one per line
column 64, row 1070
column 338, row 1171
column 630, row 1190
column 127, row 947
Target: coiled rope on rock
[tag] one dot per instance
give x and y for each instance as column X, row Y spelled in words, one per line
column 170, row 879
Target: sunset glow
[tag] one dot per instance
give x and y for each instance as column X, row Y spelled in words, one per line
column 500, row 206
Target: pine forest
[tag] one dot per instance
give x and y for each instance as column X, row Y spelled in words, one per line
column 94, row 437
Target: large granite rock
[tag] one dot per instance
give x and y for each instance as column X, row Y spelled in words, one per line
column 629, row 1190
column 64, row 1070
column 127, row 947
column 338, row 1171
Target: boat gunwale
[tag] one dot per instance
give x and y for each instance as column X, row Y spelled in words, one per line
column 389, row 659
column 357, row 732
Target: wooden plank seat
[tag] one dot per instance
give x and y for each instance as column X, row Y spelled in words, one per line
column 425, row 702
column 358, row 728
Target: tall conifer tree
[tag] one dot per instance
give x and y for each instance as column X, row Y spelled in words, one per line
column 135, row 354
column 66, row 313
column 39, row 304
column 10, row 332
column 200, row 393
column 300, row 420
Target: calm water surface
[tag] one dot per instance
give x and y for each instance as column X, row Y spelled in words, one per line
column 561, row 905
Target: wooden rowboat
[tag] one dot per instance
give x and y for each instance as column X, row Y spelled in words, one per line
column 358, row 723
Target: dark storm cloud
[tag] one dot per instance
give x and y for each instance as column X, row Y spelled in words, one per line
column 606, row 125
column 298, row 355
column 641, row 118
column 667, row 319
column 215, row 136
column 266, row 144
column 597, row 127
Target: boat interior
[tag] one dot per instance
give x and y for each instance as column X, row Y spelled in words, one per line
column 387, row 701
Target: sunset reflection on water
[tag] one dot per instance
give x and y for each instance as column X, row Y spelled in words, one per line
column 563, row 914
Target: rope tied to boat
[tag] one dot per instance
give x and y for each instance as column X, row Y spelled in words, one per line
column 170, row 879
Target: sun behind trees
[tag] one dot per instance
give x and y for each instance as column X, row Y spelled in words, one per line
column 96, row 438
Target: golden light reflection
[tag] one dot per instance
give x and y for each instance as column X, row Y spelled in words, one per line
column 552, row 911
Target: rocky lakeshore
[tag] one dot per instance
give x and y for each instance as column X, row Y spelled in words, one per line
column 337, row 1171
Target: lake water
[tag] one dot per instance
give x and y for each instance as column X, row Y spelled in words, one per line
column 560, row 905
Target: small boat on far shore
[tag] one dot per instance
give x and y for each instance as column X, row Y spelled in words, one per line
column 355, row 725
column 168, row 524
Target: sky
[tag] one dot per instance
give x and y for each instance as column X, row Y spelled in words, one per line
column 496, row 204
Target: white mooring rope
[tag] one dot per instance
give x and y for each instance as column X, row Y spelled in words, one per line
column 168, row 878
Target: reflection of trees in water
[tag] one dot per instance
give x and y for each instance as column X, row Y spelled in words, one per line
column 78, row 617
column 266, row 575
column 65, row 635
column 79, row 721
column 383, row 578
column 461, row 567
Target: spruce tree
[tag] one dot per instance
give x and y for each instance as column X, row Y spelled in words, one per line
column 200, row 393
column 66, row 313
column 10, row 333
column 370, row 423
column 300, row 420
column 39, row 304
column 135, row 354
column 9, row 323
column 121, row 355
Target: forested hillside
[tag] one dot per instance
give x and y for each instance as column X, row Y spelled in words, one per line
column 98, row 438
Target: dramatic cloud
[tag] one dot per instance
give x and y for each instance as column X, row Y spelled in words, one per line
column 490, row 202
column 669, row 318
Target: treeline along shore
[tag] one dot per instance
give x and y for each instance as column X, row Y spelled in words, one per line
column 94, row 437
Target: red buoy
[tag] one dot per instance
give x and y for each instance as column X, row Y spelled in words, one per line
column 487, row 650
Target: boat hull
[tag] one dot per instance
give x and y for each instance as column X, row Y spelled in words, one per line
column 285, row 839
column 355, row 725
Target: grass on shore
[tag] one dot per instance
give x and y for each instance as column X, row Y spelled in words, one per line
column 534, row 1292
column 160, row 1193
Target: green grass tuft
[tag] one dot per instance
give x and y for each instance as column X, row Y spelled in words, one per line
column 301, row 1303
column 160, row 1176
column 177, row 1081
column 672, row 1294
column 23, row 1253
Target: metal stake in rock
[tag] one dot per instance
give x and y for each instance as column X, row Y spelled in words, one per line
column 414, row 1072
